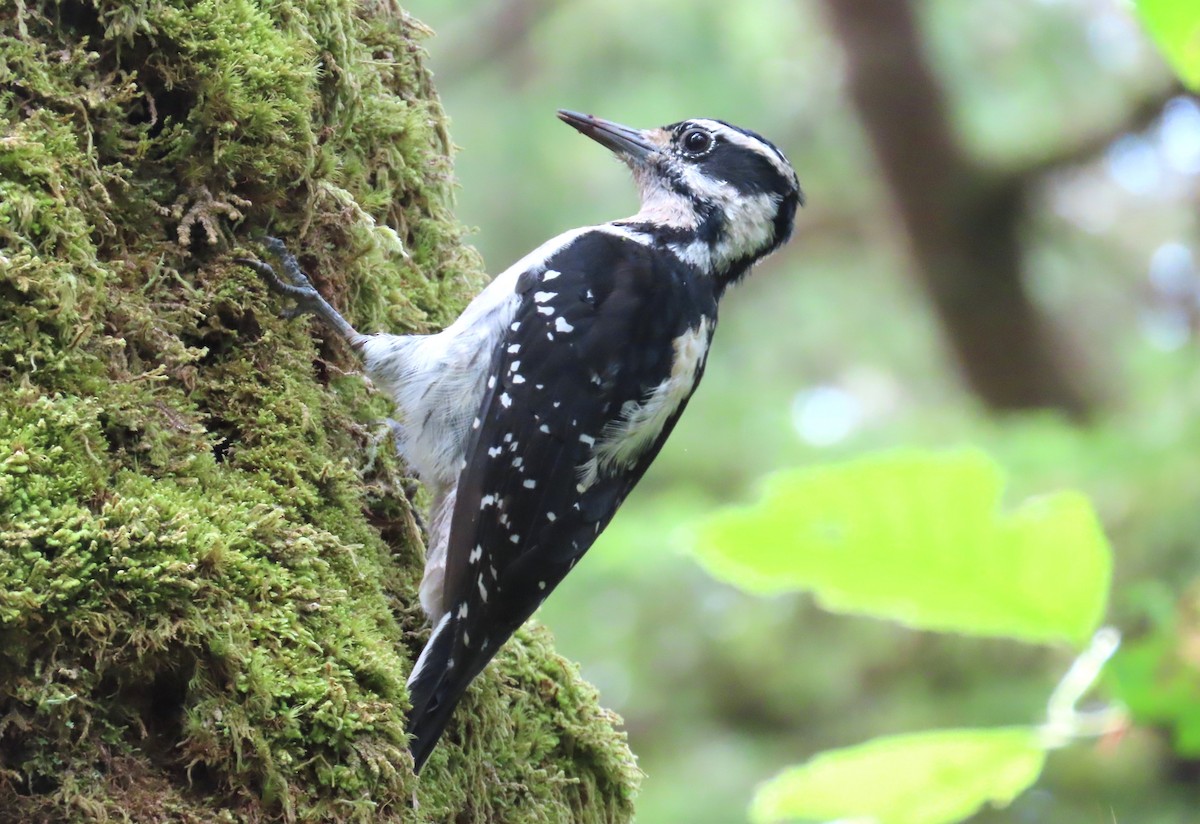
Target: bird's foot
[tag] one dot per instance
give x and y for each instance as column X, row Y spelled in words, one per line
column 296, row 286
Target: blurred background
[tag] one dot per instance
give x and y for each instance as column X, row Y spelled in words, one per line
column 1000, row 249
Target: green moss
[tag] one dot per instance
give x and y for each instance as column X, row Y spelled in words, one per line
column 208, row 561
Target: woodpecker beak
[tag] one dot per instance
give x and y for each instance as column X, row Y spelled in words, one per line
column 626, row 143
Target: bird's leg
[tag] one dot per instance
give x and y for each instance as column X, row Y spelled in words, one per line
column 299, row 288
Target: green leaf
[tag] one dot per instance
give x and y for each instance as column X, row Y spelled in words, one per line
column 926, row 778
column 1175, row 27
column 918, row 537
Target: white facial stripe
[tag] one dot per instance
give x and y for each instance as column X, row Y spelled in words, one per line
column 747, row 142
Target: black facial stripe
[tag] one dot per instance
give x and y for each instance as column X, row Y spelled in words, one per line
column 746, row 169
column 757, row 137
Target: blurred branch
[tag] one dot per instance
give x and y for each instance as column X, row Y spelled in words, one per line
column 1090, row 142
column 961, row 220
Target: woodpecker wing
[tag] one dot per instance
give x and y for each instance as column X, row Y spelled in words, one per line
column 587, row 384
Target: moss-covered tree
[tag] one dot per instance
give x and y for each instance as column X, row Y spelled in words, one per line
column 208, row 557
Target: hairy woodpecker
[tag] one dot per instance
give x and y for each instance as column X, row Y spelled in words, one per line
column 532, row 416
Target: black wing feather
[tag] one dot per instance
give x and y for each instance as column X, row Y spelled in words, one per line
column 593, row 331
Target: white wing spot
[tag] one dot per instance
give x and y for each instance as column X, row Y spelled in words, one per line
column 540, row 386
column 515, row 325
column 551, row 274
column 546, row 310
column 562, row 326
column 544, row 428
column 516, row 539
column 476, row 423
column 486, row 501
column 476, row 554
column 508, row 438
column 514, row 366
column 586, row 439
column 551, row 517
column 518, row 379
column 505, row 400
column 517, row 461
column 466, row 639
column 542, row 297
column 462, row 610
column 491, row 382
column 530, row 484
column 495, row 451
column 541, row 584
column 514, row 348
column 482, row 589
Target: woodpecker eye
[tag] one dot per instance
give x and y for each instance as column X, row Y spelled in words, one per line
column 696, row 141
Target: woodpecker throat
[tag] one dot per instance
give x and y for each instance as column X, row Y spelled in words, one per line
column 533, row 415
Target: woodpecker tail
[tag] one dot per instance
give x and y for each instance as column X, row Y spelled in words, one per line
column 437, row 683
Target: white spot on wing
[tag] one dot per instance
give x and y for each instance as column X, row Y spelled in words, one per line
column 546, row 310
column 505, row 400
column 483, row 593
column 530, row 484
column 476, row 554
column 562, row 326
column 542, row 297
column 551, row 274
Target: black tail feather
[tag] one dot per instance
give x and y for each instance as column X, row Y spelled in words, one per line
column 439, row 679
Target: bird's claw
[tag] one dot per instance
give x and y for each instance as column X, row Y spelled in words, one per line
column 297, row 288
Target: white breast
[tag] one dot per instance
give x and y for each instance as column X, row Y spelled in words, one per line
column 624, row 440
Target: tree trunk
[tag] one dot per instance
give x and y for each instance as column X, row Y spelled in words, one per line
column 208, row 560
column 962, row 224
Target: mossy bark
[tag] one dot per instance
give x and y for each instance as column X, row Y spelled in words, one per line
column 208, row 555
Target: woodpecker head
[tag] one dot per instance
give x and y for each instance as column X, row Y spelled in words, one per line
column 719, row 196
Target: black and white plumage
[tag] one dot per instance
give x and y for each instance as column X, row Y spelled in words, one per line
column 533, row 415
